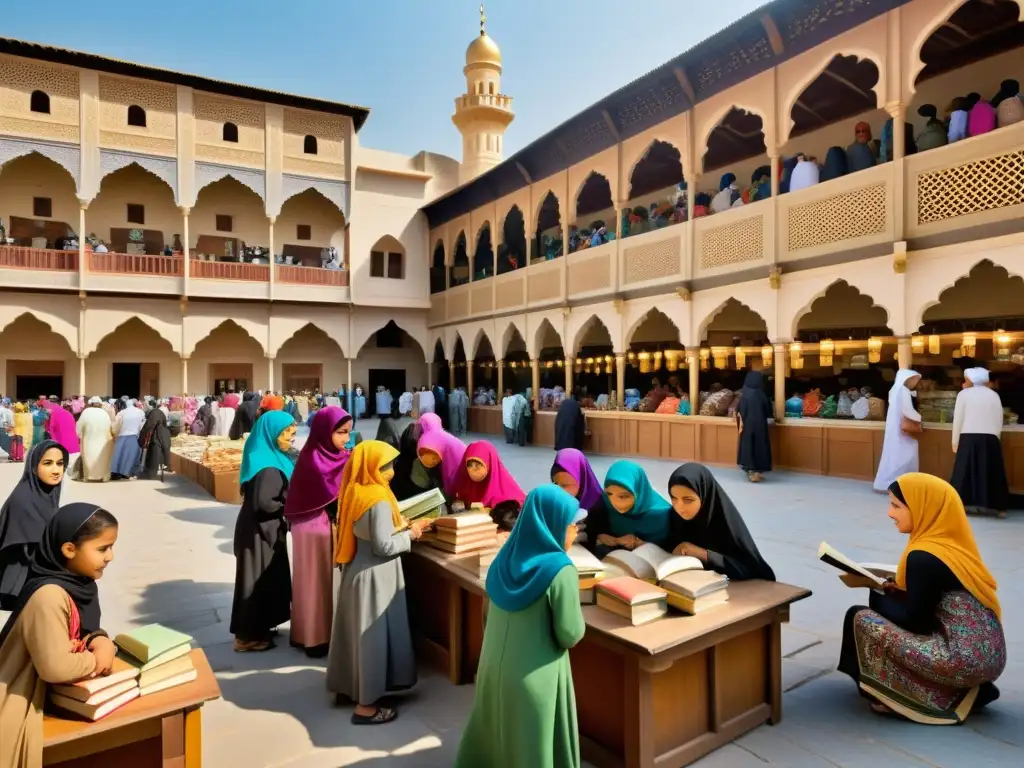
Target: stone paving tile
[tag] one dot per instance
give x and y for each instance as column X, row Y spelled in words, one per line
column 174, row 565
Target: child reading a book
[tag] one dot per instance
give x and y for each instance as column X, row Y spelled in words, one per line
column 439, row 450
column 707, row 525
column 483, row 480
column 634, row 513
column 524, row 712
column 53, row 635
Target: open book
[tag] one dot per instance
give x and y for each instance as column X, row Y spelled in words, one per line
column 427, row 504
column 648, row 562
column 855, row 574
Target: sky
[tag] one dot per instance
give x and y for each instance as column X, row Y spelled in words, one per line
column 403, row 59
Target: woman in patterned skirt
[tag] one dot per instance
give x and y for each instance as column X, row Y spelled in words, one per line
column 931, row 647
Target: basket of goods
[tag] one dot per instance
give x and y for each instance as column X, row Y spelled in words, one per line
column 876, row 409
column 717, row 403
column 795, row 407
column 684, row 406
column 668, row 405
column 812, row 403
column 829, row 408
column 844, row 406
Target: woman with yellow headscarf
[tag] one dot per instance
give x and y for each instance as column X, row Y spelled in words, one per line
column 371, row 645
column 930, row 647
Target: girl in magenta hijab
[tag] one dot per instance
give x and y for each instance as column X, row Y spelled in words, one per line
column 483, row 479
column 311, row 505
column 573, row 474
column 437, row 448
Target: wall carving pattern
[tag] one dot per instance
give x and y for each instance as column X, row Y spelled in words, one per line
column 227, row 154
column 167, row 170
column 309, row 166
column 858, row 213
column 136, row 142
column 211, row 112
column 22, row 76
column 39, row 129
column 544, row 287
column 732, row 243
column 67, row 157
column 652, row 261
column 588, row 275
column 981, row 185
column 335, row 191
column 329, row 131
column 159, row 101
column 206, row 174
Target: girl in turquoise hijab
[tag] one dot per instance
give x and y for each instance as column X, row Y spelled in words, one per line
column 524, row 710
column 635, row 513
column 262, row 449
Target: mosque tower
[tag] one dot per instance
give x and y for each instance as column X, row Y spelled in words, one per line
column 482, row 113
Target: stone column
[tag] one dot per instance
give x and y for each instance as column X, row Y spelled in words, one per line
column 270, row 373
column 348, row 380
column 185, row 246
column 693, row 369
column 780, row 382
column 83, row 205
column 619, row 210
column 430, row 375
column 535, row 381
column 620, row 379
column 905, row 352
column 775, row 175
column 81, row 373
column 469, row 379
column 898, row 111
column 184, row 376
column 451, row 376
column 568, row 376
column 273, row 266
column 501, row 378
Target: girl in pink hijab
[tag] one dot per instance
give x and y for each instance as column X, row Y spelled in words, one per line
column 439, row 448
column 62, row 429
column 483, row 479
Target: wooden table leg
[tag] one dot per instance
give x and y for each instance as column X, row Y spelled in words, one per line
column 172, row 729
column 194, row 738
column 455, row 634
column 775, row 670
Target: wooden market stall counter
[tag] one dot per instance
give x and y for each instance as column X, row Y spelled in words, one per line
column 162, row 730
column 833, row 447
column 663, row 694
column 223, row 486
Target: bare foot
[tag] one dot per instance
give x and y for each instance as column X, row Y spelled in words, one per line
column 365, row 711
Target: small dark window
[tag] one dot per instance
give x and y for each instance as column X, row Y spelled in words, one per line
column 304, row 232
column 490, row 89
column 136, row 116
column 42, row 207
column 136, row 213
column 376, row 263
column 39, row 102
column 230, row 132
column 223, row 223
column 309, row 145
column 395, row 265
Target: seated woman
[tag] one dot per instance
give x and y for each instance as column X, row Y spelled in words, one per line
column 524, row 712
column 633, row 512
column 483, row 479
column 931, row 647
column 440, row 450
column 573, row 474
column 708, row 526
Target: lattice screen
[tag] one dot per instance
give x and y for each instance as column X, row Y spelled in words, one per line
column 652, row 261
column 852, row 214
column 981, row 185
column 590, row 275
column 732, row 243
column 544, row 287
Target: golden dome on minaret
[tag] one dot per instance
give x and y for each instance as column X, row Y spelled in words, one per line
column 483, row 50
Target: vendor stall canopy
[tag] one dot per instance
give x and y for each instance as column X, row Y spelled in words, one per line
column 762, row 39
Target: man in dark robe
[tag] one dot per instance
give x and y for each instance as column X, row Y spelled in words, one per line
column 570, row 425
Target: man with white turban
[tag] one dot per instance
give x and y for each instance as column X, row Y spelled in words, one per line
column 979, row 473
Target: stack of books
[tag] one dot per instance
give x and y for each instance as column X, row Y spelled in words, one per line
column 590, row 570
column 696, row 591
column 160, row 656
column 638, row 602
column 97, row 697
column 464, row 533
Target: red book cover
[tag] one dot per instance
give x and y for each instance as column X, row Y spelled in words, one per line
column 631, row 591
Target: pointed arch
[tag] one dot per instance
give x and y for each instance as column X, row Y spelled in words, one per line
column 297, row 329
column 479, row 338
column 547, row 214
column 104, row 318
column 593, row 195
column 362, row 338
column 207, row 325
column 737, row 134
column 857, row 72
column 591, row 323
column 511, row 251
column 544, row 329
column 58, row 325
column 164, row 169
column 438, row 268
column 153, row 337
column 483, row 252
column 877, row 315
column 458, row 348
column 68, row 158
column 652, row 314
column 727, row 303
column 332, row 192
column 660, row 166
column 507, row 334
column 316, row 333
column 208, row 173
column 460, row 267
column 1016, row 276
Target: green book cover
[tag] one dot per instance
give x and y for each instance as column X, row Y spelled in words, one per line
column 146, row 643
column 429, row 504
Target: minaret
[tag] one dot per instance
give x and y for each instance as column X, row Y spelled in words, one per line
column 482, row 113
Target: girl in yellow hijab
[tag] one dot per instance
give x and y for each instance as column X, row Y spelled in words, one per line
column 371, row 644
column 930, row 647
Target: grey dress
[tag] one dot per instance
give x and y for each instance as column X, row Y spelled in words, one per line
column 371, row 645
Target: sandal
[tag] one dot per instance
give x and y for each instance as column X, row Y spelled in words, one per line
column 880, row 709
column 381, row 716
column 252, row 646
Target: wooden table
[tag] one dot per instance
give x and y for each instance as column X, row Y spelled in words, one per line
column 668, row 692
column 162, row 730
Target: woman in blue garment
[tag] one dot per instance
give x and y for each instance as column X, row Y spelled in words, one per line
column 633, row 512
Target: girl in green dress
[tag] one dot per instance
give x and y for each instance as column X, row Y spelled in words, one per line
column 524, row 714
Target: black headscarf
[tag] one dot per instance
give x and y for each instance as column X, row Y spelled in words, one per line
column 718, row 527
column 569, row 425
column 245, row 416
column 32, row 503
column 48, row 567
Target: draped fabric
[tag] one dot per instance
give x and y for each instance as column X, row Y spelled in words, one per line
column 362, row 486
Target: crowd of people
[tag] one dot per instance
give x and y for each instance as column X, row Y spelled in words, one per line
column 928, row 646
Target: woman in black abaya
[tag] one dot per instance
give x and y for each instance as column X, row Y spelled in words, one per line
column 755, row 448
column 245, row 417
column 155, row 441
column 570, row 425
column 707, row 525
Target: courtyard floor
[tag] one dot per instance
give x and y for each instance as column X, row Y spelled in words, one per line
column 174, row 565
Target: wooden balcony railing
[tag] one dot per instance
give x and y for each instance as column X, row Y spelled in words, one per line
column 288, row 273
column 136, row 264
column 229, row 270
column 20, row 257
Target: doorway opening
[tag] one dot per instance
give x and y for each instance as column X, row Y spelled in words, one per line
column 391, row 379
column 126, row 379
column 31, row 387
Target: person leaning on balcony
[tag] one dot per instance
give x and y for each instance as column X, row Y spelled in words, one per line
column 100, row 247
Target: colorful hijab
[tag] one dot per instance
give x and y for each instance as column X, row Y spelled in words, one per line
column 261, row 450
column 941, row 528
column 48, row 566
column 431, row 422
column 498, row 486
column 32, row 503
column 362, row 486
column 62, row 428
column 449, row 448
column 718, row 525
column 231, row 400
column 574, row 463
column 534, row 553
column 272, row 403
column 316, row 481
column 649, row 517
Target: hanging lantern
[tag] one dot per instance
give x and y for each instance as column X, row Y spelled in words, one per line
column 874, row 350
column 796, row 355
column 721, row 356
column 766, row 355
column 917, row 345
column 934, row 344
column 969, row 344
column 741, row 358
column 825, row 351
column 550, row 364
column 578, row 366
column 1003, row 343
column 560, row 363
column 671, row 360
column 631, row 356
column 645, row 362
column 608, row 359
column 705, row 353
